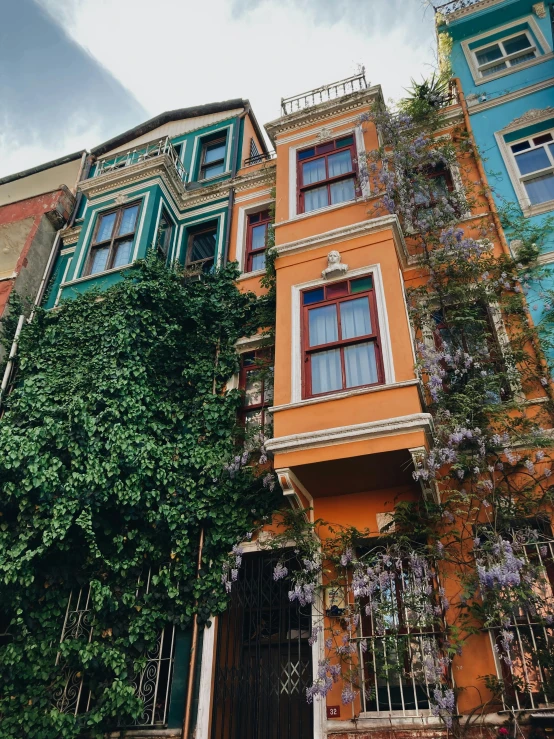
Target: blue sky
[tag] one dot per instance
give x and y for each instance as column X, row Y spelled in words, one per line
column 74, row 73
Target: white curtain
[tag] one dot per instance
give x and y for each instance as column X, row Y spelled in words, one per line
column 123, row 254
column 355, row 318
column 128, row 219
column 340, row 163
column 313, row 171
column 342, row 192
column 360, row 364
column 326, row 374
column 106, row 227
column 323, row 326
column 541, row 190
column 99, row 260
column 314, row 199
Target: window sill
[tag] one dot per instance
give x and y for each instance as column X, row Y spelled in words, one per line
column 319, row 211
column 539, row 209
column 341, row 395
column 211, row 180
column 86, row 278
column 254, row 273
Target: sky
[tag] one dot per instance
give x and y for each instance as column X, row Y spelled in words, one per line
column 74, row 73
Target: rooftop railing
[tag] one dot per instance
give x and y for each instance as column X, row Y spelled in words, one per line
column 257, row 158
column 159, row 148
column 454, row 5
column 324, row 94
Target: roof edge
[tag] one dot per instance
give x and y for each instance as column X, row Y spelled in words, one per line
column 42, row 167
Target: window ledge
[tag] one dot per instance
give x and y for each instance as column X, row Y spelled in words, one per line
column 211, row 180
column 86, row 278
column 254, row 273
column 539, row 209
column 327, row 209
column 340, row 396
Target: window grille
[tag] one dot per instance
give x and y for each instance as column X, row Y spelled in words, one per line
column 254, row 153
column 527, row 672
column 152, row 684
column 400, row 637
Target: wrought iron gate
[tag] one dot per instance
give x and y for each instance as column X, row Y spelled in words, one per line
column 263, row 659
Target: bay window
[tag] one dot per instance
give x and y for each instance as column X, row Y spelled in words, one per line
column 113, row 239
column 326, row 174
column 256, row 240
column 340, row 337
column 534, row 158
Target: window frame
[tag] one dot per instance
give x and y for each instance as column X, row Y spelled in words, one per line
column 250, row 253
column 506, row 58
column 171, row 231
column 207, row 142
column 113, row 242
column 263, row 360
column 196, row 231
column 301, row 189
column 524, row 178
column 374, row 337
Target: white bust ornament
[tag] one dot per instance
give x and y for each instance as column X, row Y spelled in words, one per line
column 335, row 268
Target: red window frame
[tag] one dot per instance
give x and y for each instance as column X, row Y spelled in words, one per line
column 254, row 220
column 324, row 151
column 251, row 362
column 375, row 336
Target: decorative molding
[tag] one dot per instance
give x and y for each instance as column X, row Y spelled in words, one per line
column 428, row 487
column 121, row 199
column 535, row 115
column 350, row 434
column 289, row 484
column 515, row 95
column 539, row 10
column 71, row 235
column 346, row 233
column 250, row 343
column 335, row 267
column 315, row 113
column 324, row 134
column 483, row 5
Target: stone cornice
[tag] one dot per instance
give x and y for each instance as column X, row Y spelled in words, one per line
column 156, row 166
column 535, row 115
column 71, row 235
column 345, row 233
column 322, row 111
column 350, row 434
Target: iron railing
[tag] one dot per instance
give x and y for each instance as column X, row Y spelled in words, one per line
column 159, row 148
column 323, row 94
column 454, row 5
column 152, row 684
column 527, row 678
column 257, row 158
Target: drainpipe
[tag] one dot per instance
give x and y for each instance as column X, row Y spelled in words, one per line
column 193, row 649
column 83, row 173
column 234, row 154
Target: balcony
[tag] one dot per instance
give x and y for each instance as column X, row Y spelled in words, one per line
column 156, row 158
column 455, row 5
column 324, row 94
column 258, row 159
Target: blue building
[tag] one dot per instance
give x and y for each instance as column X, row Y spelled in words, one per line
column 502, row 53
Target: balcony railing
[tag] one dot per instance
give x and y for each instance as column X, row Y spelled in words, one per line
column 324, row 94
column 161, row 147
column 454, row 5
column 250, row 161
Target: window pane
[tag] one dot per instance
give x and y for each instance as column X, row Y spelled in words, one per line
column 99, row 259
column 326, row 374
column 521, row 146
column 516, row 44
column 258, row 261
column 361, row 285
column 354, row 318
column 268, row 385
column 522, row 58
column 213, row 171
column 123, row 253
column 491, row 54
column 203, row 246
column 542, row 139
column 340, row 163
column 306, row 154
column 541, row 190
column 314, row 199
column 494, row 70
column 253, row 389
column 360, row 364
column 313, row 171
column 258, row 236
column 323, row 325
column 337, row 290
column 253, row 418
column 106, row 227
column 128, row 220
column 313, row 296
column 342, row 192
column 346, row 141
column 531, row 161
column 214, row 152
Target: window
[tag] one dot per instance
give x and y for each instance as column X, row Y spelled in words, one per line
column 256, row 240
column 212, row 162
column 511, row 51
column 165, row 234
column 340, row 337
column 326, row 174
column 201, row 248
column 437, row 185
column 534, row 158
column 254, row 153
column 112, row 242
column 256, row 381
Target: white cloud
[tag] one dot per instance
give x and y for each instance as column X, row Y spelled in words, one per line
column 176, row 53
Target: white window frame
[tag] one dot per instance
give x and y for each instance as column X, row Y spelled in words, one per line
column 506, row 58
column 518, row 180
column 382, row 318
column 316, row 140
column 533, row 31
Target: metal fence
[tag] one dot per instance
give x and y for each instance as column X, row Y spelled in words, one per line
column 455, row 5
column 159, row 148
column 323, row 94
